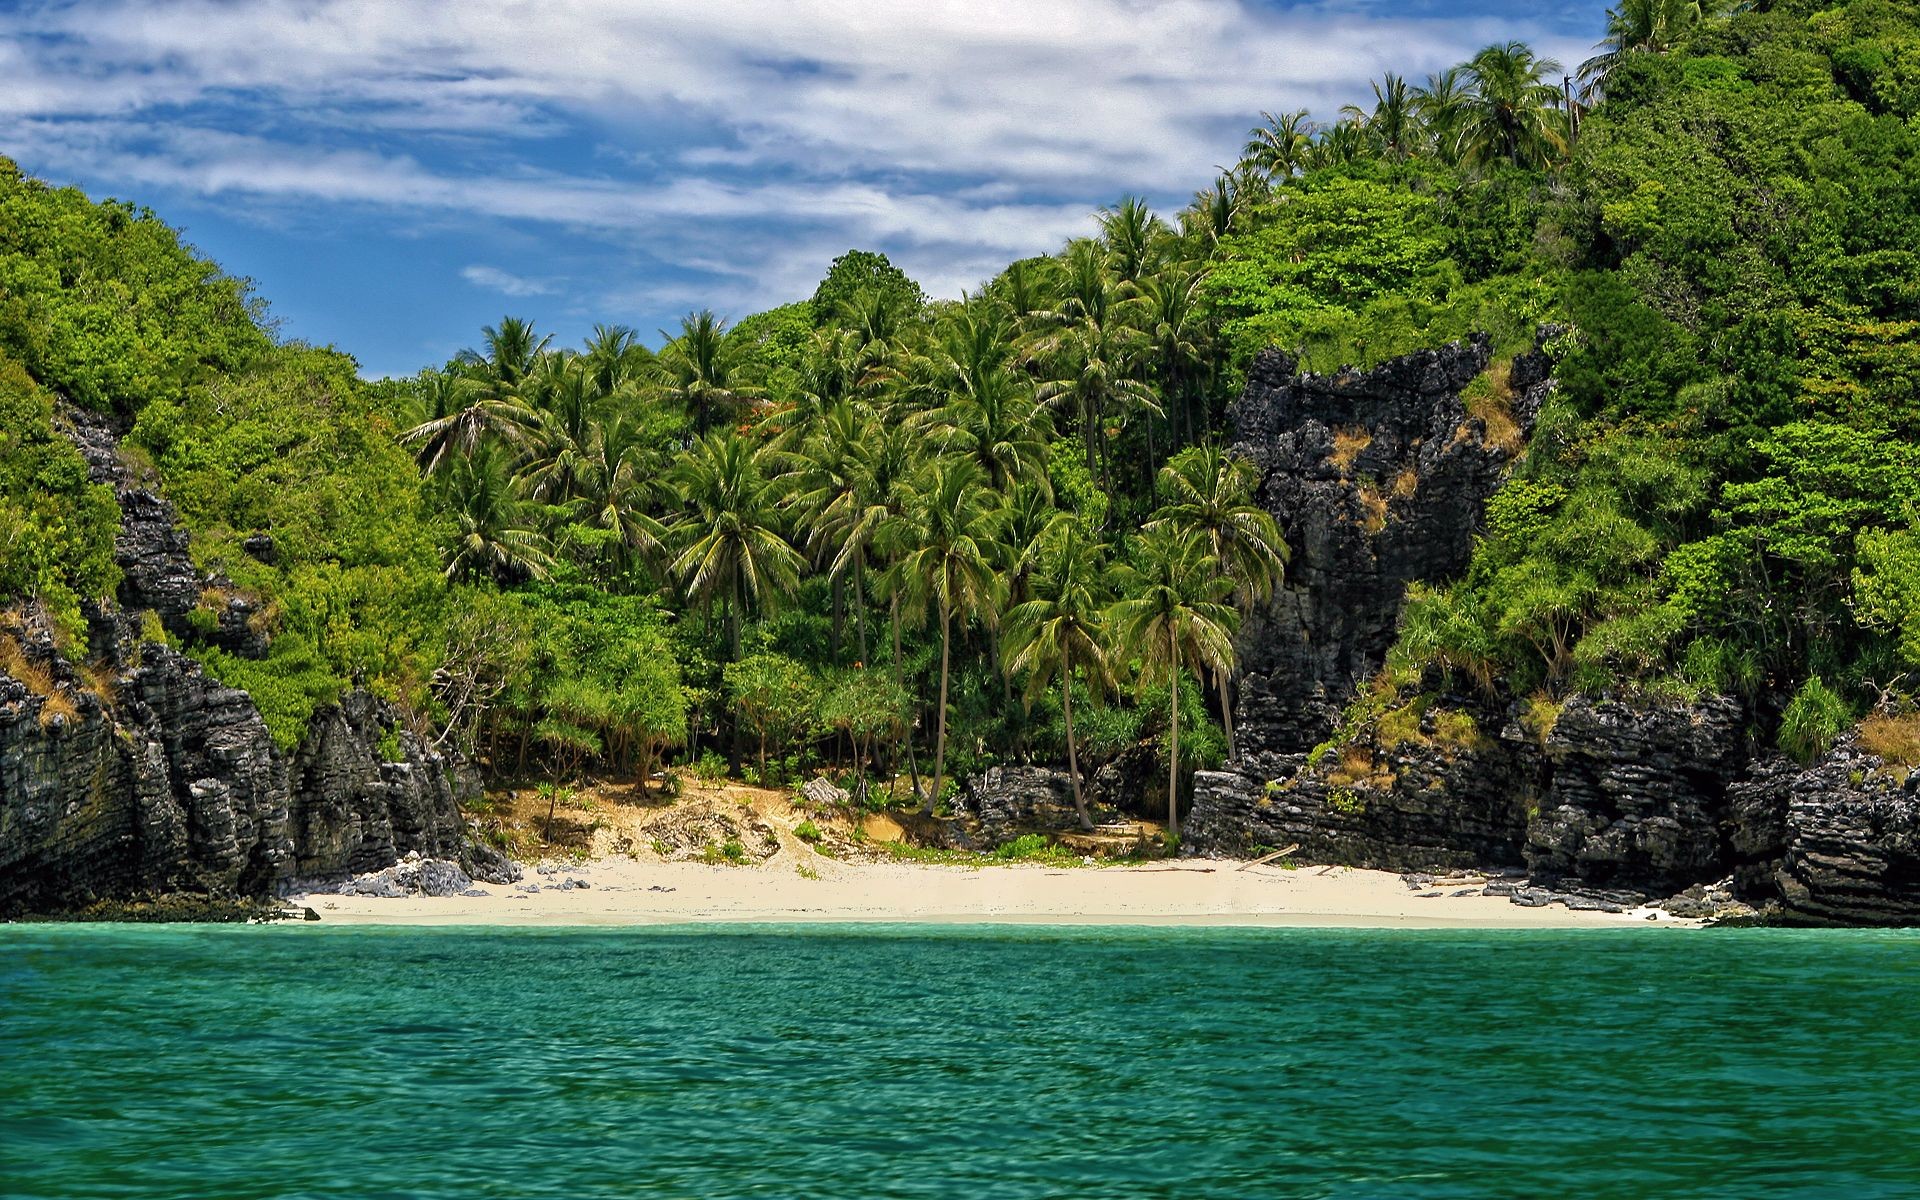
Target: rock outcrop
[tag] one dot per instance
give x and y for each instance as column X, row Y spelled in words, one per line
column 151, row 778
column 1379, row 479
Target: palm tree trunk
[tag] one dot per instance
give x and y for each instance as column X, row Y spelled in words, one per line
column 1173, row 751
column 900, row 681
column 1226, row 709
column 1073, row 756
column 940, row 739
column 860, row 603
column 839, row 618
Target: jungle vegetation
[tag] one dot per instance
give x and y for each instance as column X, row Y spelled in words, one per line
column 909, row 538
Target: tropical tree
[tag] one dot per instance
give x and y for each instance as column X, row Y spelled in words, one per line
column 1512, row 113
column 949, row 530
column 1061, row 635
column 1282, row 147
column 730, row 530
column 1210, row 497
column 617, row 490
column 990, row 413
column 1174, row 617
column 1442, row 107
column 1093, row 349
column 484, row 400
column 495, row 533
column 1179, row 342
column 702, row 371
column 1639, row 26
column 1132, row 234
column 1394, row 122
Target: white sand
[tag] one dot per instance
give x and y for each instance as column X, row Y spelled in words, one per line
column 624, row 891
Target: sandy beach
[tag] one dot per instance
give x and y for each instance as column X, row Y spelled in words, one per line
column 789, row 888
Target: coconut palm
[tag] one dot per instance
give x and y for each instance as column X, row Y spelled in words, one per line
column 485, row 400
column 1281, row 148
column 702, row 371
column 1639, row 26
column 989, row 414
column 948, row 533
column 1061, row 634
column 730, row 532
column 1093, row 350
column 1210, row 496
column 1442, row 106
column 1512, row 113
column 1132, row 234
column 495, row 534
column 1178, row 340
column 1174, row 617
column 616, row 489
column 1214, row 213
column 1394, row 122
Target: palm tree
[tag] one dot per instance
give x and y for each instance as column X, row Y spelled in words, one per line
column 1214, row 213
column 485, row 397
column 616, row 359
column 1639, row 26
column 1512, row 113
column 1178, row 340
column 824, row 490
column 1093, row 352
column 732, row 543
column 950, row 526
column 1394, row 123
column 990, row 412
column 1340, row 145
column 565, row 401
column 702, row 369
column 1060, row 634
column 1210, row 497
column 616, row 487
column 1442, row 106
column 494, row 530
column 1281, row 147
column 1174, row 617
column 1132, row 234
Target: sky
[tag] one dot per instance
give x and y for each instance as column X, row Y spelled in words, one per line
column 396, row 174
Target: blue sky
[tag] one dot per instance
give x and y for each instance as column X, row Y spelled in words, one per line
column 394, row 174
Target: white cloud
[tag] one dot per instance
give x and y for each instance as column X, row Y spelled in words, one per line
column 953, row 133
column 505, row 282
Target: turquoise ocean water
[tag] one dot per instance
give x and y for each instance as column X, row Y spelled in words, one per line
column 964, row 1062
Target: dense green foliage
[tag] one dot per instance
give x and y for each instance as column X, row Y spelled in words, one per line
column 896, row 534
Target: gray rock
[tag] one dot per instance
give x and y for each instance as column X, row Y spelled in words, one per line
column 822, row 794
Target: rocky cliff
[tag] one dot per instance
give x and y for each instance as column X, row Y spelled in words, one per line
column 144, row 776
column 1379, row 479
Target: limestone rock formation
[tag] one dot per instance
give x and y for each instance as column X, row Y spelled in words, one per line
column 157, row 779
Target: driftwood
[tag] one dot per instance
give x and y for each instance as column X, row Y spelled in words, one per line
column 1267, row 858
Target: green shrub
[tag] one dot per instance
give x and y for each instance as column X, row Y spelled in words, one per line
column 1812, row 720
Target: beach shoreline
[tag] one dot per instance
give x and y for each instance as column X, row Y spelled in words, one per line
column 788, row 889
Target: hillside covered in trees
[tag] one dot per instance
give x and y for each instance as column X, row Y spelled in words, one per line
column 903, row 537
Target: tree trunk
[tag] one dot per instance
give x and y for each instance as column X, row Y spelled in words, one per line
column 1073, row 756
column 900, row 681
column 839, row 619
column 1173, row 751
column 1226, row 709
column 940, row 738
column 860, row 603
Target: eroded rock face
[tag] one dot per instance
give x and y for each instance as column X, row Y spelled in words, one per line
column 1378, row 479
column 1638, row 795
column 1837, row 841
column 173, row 784
column 1002, row 801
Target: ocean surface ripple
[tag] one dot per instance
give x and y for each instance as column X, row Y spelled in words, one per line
column 967, row 1061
